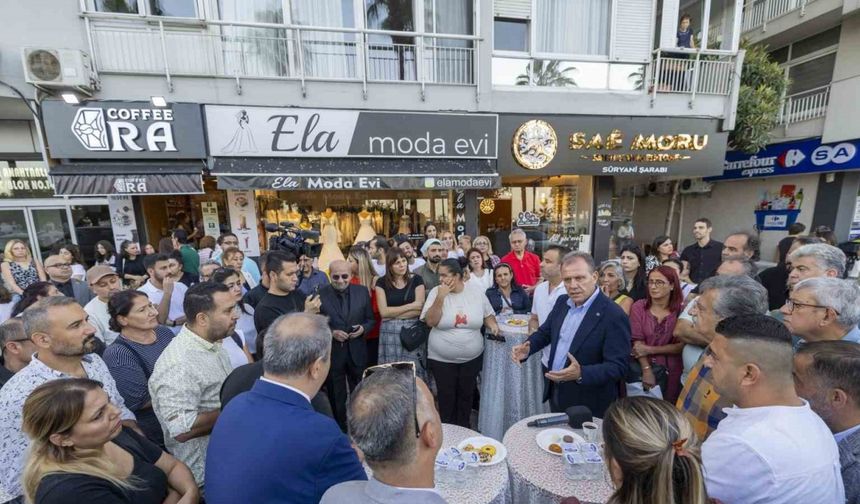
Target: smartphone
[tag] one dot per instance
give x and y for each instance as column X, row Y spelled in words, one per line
column 355, row 328
column 316, row 291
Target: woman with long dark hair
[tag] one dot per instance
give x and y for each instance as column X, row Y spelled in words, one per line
column 633, row 268
column 71, row 253
column 506, row 296
column 662, row 249
column 34, row 293
column 243, row 342
column 652, row 324
column 131, row 269
column 105, row 254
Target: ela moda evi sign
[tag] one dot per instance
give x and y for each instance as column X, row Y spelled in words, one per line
column 327, row 133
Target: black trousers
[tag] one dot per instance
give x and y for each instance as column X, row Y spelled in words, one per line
column 455, row 385
column 344, row 372
column 372, row 352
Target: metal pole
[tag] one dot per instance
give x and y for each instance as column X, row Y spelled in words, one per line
column 301, row 51
column 164, row 55
column 695, row 79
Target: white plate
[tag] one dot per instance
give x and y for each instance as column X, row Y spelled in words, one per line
column 479, row 441
column 546, row 437
column 519, row 322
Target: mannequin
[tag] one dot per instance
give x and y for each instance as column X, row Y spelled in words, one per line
column 329, row 237
column 365, row 230
column 405, row 225
column 293, row 215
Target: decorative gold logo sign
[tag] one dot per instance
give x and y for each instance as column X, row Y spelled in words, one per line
column 487, row 206
column 658, row 144
column 534, row 144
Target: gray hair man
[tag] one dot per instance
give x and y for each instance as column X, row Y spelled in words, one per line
column 823, row 309
column 827, row 374
column 815, row 260
column 393, row 420
column 296, row 361
column 207, row 269
column 721, row 297
column 15, row 347
column 524, row 264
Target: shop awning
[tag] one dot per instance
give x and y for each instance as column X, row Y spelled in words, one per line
column 151, row 178
column 364, row 174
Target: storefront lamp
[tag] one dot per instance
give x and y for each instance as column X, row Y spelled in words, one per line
column 70, row 98
column 158, row 101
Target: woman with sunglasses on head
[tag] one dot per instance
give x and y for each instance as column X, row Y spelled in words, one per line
column 80, row 452
column 131, row 357
column 506, row 296
column 400, row 296
column 456, row 311
column 364, row 274
column 652, row 324
column 242, row 343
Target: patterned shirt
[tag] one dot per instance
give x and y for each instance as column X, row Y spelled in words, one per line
column 13, row 441
column 700, row 402
column 187, row 381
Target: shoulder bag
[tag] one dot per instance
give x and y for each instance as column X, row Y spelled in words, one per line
column 414, row 336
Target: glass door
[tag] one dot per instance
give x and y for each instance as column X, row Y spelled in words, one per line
column 13, row 226
column 51, row 227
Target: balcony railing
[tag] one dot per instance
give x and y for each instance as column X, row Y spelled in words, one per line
column 693, row 72
column 758, row 13
column 204, row 48
column 809, row 104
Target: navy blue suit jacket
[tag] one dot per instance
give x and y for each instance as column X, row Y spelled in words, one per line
column 601, row 346
column 520, row 300
column 270, row 446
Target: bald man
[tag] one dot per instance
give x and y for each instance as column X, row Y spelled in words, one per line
column 350, row 315
column 60, row 274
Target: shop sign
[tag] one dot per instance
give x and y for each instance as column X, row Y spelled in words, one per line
column 326, row 133
column 138, row 185
column 611, row 145
column 459, row 213
column 25, row 180
column 211, row 224
column 791, row 158
column 604, row 214
column 122, row 220
column 343, row 182
column 243, row 220
column 123, row 130
column 528, row 219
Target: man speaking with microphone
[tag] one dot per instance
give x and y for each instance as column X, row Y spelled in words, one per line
column 589, row 339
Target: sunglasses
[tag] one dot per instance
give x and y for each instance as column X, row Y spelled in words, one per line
column 340, row 277
column 400, row 366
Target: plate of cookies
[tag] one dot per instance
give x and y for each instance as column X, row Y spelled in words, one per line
column 555, row 440
column 490, row 452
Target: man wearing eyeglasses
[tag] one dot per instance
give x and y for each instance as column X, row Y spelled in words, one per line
column 823, row 309
column 350, row 316
column 15, row 347
column 228, row 240
column 60, row 274
column 310, row 278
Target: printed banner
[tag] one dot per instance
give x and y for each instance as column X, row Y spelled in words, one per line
column 211, row 224
column 122, row 219
column 243, row 220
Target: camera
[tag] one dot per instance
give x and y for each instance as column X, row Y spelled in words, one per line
column 292, row 239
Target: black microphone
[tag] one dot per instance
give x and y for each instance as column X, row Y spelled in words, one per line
column 574, row 416
column 271, row 227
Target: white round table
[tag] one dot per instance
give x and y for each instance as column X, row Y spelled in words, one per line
column 509, row 392
column 485, row 485
column 537, row 477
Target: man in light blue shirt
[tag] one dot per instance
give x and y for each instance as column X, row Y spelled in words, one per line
column 827, row 374
column 228, row 240
column 823, row 309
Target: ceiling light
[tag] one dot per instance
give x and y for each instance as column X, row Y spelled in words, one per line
column 70, row 98
column 158, row 101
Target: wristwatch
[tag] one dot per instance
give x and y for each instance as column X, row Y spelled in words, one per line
column 579, row 380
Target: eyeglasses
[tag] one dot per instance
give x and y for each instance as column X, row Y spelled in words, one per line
column 60, row 265
column 792, row 304
column 657, row 283
column 340, row 277
column 407, row 365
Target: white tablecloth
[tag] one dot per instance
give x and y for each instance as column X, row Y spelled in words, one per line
column 537, row 477
column 509, row 392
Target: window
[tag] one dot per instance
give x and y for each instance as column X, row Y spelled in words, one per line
column 118, row 6
column 780, row 55
column 814, row 43
column 390, row 57
column 173, row 8
column 511, row 35
column 574, row 27
column 811, row 74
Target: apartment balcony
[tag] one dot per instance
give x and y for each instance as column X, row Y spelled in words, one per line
column 176, row 47
column 780, row 22
column 805, row 106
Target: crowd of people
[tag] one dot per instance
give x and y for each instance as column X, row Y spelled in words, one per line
column 195, row 373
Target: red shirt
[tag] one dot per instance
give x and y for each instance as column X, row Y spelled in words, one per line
column 374, row 333
column 526, row 270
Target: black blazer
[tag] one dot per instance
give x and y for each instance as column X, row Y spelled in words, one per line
column 520, row 301
column 601, row 346
column 360, row 312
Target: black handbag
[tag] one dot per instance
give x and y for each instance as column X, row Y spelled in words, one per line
column 415, row 335
column 661, row 374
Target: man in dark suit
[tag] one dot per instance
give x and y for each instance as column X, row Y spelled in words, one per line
column 350, row 317
column 269, row 445
column 60, row 274
column 589, row 339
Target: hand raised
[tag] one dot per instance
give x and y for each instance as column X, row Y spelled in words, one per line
column 571, row 373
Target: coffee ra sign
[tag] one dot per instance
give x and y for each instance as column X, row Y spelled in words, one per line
column 123, row 130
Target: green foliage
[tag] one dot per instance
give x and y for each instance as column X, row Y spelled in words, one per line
column 545, row 73
column 763, row 84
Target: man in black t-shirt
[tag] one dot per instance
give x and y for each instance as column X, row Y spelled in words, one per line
column 253, row 296
column 282, row 270
column 705, row 255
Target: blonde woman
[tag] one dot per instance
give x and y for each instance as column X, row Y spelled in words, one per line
column 363, row 273
column 482, row 243
column 19, row 270
column 447, row 239
column 81, row 452
column 652, row 453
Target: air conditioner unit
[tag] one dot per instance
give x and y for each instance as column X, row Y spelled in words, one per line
column 659, row 188
column 695, row 186
column 58, row 68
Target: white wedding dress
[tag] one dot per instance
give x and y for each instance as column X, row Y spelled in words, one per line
column 365, row 230
column 329, row 238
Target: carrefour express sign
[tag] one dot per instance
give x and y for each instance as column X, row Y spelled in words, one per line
column 792, row 158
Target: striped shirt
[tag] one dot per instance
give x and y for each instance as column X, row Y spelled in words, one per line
column 131, row 379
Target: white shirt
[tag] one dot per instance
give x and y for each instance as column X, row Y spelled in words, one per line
column 379, row 268
column 772, row 455
column 234, row 352
column 542, row 305
column 294, row 389
column 78, row 271
column 457, row 337
column 485, row 281
column 691, row 353
column 100, row 319
column 176, row 299
column 417, row 264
